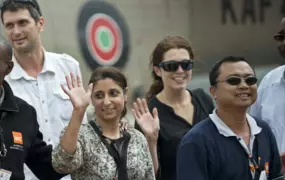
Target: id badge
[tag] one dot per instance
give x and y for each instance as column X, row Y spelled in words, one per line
column 5, row 175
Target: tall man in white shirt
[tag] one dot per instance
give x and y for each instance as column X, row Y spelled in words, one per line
column 37, row 74
column 270, row 104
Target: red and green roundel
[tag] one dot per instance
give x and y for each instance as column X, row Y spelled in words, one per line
column 103, row 35
column 104, row 39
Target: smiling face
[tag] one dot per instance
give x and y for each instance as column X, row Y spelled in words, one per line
column 109, row 99
column 21, row 30
column 176, row 80
column 228, row 92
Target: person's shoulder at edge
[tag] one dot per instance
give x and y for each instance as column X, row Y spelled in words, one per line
column 272, row 77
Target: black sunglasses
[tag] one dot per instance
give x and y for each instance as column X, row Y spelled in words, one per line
column 234, row 81
column 172, row 66
column 4, row 3
column 279, row 37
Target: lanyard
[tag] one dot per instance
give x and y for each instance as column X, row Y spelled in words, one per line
column 254, row 159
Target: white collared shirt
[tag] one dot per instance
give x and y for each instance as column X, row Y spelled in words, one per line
column 44, row 93
column 270, row 104
column 227, row 132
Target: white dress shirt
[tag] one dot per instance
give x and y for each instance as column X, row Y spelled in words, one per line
column 44, row 93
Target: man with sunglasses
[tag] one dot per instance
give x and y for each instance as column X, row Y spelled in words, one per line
column 270, row 104
column 230, row 144
column 37, row 75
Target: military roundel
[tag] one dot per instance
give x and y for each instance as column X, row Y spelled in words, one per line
column 103, row 35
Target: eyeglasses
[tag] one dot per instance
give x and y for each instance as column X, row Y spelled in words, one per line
column 234, row 81
column 172, row 65
column 4, row 3
column 279, row 37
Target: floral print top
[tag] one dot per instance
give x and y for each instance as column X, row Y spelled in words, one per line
column 91, row 160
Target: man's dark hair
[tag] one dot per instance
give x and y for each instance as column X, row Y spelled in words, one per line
column 13, row 6
column 215, row 71
column 7, row 46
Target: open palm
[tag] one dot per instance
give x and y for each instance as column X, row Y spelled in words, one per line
column 79, row 98
column 149, row 123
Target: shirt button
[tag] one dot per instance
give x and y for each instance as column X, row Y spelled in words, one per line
column 46, row 120
column 43, row 101
column 49, row 139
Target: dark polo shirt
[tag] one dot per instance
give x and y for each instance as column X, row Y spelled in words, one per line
column 209, row 151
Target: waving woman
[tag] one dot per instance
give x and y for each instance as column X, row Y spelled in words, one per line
column 100, row 149
column 170, row 109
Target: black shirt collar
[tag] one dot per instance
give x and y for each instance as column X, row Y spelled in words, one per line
column 9, row 102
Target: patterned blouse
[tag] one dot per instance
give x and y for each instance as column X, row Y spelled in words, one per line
column 91, row 160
